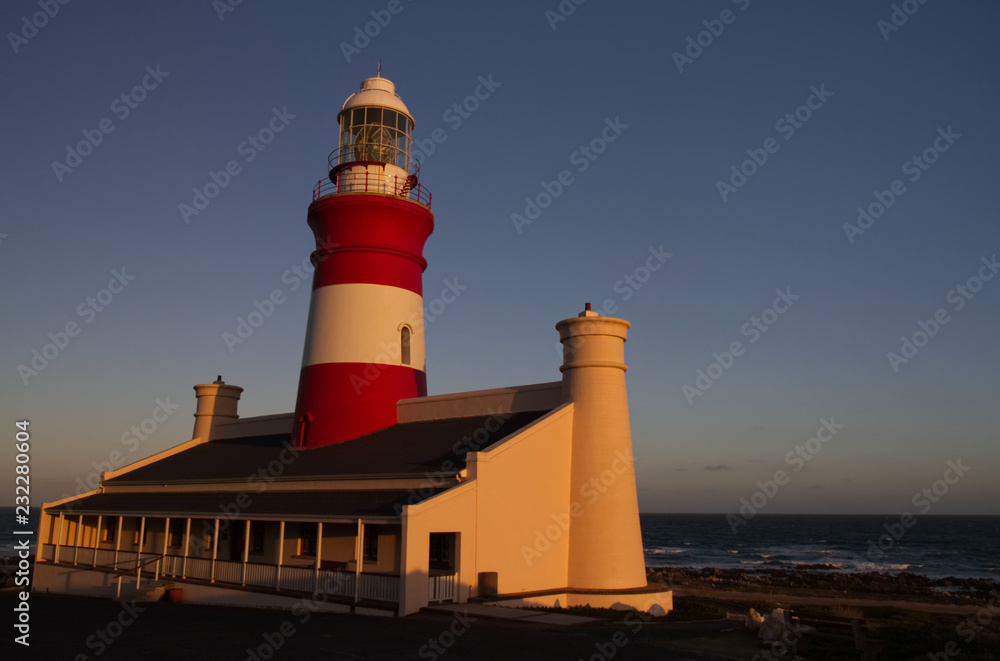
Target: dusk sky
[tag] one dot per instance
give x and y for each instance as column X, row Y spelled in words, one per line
column 695, row 168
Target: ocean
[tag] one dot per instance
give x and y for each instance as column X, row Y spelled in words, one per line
column 934, row 546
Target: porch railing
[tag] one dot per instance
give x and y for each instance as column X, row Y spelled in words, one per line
column 376, row 587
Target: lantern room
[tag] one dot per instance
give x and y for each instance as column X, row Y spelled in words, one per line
column 374, row 147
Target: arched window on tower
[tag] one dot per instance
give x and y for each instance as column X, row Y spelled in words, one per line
column 404, row 345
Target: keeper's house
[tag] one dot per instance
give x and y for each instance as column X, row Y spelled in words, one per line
column 372, row 496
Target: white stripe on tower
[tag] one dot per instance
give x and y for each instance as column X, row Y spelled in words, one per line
column 373, row 335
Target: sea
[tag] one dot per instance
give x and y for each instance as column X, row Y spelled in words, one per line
column 932, row 546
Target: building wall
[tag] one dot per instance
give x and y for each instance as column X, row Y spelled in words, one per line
column 516, row 492
column 524, row 505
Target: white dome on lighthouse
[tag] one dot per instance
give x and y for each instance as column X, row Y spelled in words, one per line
column 376, row 92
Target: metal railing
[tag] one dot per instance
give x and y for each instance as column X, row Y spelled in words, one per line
column 334, row 582
column 373, row 182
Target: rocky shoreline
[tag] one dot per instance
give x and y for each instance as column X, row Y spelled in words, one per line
column 828, row 578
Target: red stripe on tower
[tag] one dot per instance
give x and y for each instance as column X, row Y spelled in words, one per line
column 364, row 347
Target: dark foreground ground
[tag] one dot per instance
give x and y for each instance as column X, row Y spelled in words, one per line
column 72, row 628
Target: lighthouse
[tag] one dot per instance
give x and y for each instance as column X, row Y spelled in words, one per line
column 364, row 345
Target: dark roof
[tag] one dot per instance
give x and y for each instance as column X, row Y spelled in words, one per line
column 249, row 504
column 430, row 448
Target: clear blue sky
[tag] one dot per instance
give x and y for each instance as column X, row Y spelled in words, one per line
column 883, row 96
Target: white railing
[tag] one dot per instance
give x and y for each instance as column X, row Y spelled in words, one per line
column 334, row 582
column 228, row 572
column 198, row 568
column 379, row 587
column 442, row 588
column 261, row 574
column 105, row 556
column 172, row 565
column 298, row 578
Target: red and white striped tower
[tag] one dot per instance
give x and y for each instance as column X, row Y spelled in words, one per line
column 364, row 348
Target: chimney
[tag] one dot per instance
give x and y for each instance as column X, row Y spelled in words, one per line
column 217, row 403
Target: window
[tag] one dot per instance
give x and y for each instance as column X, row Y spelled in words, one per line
column 176, row 536
column 404, row 345
column 110, row 529
column 441, row 549
column 257, row 537
column 135, row 537
column 370, row 546
column 307, row 539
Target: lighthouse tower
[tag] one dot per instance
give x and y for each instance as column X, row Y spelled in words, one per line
column 364, row 346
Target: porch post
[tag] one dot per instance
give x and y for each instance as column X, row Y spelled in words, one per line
column 187, row 545
column 118, row 543
column 281, row 553
column 246, row 551
column 319, row 554
column 97, row 539
column 55, row 558
column 138, row 561
column 215, row 550
column 359, row 553
column 163, row 558
column 79, row 537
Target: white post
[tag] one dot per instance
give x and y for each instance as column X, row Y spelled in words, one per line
column 163, row 556
column 246, row 551
column 97, row 539
column 79, row 537
column 118, row 544
column 138, row 561
column 319, row 554
column 281, row 553
column 187, row 545
column 359, row 559
column 215, row 550
column 55, row 558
